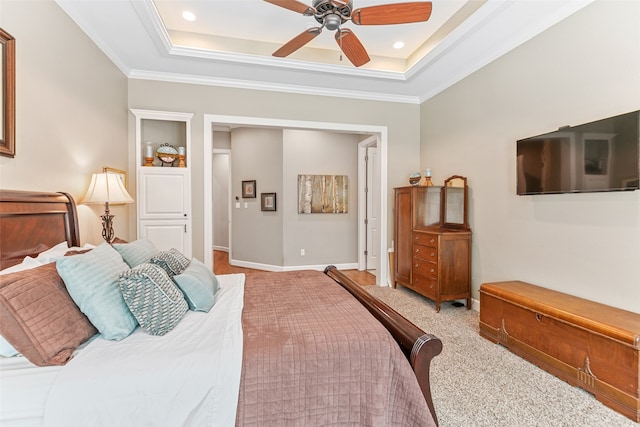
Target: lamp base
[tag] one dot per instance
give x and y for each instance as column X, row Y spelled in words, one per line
column 107, row 226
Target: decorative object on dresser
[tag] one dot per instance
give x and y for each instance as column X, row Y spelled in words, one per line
column 414, row 178
column 587, row 344
column 427, row 177
column 8, row 100
column 107, row 187
column 433, row 240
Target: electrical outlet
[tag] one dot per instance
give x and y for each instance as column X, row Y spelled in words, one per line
column 302, row 252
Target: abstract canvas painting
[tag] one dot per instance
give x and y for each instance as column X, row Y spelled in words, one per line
column 323, row 194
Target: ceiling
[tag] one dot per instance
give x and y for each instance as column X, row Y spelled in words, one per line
column 231, row 41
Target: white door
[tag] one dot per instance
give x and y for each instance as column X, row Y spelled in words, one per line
column 373, row 207
column 167, row 234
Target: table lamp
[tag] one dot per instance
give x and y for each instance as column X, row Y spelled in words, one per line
column 106, row 188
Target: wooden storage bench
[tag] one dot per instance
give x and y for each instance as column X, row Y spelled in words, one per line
column 589, row 345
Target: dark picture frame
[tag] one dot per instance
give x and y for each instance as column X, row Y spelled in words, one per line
column 8, row 88
column 249, row 189
column 268, row 202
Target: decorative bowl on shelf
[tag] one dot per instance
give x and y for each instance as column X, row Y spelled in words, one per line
column 414, row 178
column 167, row 154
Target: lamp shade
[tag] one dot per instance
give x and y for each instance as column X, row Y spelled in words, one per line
column 106, row 188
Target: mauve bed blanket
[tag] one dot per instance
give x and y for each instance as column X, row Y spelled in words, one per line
column 313, row 356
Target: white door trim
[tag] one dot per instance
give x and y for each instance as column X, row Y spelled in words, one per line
column 362, row 200
column 226, row 152
column 380, row 132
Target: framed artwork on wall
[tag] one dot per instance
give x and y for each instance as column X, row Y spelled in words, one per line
column 323, row 194
column 268, row 201
column 249, row 189
column 8, row 100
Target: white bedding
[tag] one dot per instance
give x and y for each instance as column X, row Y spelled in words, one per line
column 190, row 376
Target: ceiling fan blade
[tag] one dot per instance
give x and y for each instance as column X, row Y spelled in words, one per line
column 294, row 5
column 297, row 42
column 396, row 13
column 351, row 46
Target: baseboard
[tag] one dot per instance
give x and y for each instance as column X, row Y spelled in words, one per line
column 270, row 267
column 221, row 248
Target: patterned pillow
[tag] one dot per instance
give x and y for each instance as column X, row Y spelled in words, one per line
column 199, row 286
column 171, row 261
column 137, row 252
column 153, row 298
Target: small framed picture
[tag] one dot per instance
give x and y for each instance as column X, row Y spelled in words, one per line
column 249, row 189
column 268, row 202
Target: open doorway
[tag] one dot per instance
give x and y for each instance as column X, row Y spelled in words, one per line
column 368, row 205
column 379, row 132
column 221, row 192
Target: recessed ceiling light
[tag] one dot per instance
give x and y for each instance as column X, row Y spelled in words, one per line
column 189, row 16
column 398, row 45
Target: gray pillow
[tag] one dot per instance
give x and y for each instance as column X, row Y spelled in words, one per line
column 199, row 286
column 153, row 298
column 91, row 280
column 172, row 261
column 136, row 252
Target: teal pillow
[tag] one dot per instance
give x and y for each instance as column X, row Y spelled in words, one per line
column 6, row 349
column 152, row 298
column 137, row 252
column 199, row 286
column 91, row 280
column 172, row 261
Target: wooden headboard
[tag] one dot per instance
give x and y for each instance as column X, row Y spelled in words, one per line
column 32, row 222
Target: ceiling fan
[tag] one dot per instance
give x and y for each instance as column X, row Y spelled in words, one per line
column 331, row 14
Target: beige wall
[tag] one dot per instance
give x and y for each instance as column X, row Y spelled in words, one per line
column 71, row 110
column 326, row 238
column 256, row 154
column 583, row 69
column 402, row 121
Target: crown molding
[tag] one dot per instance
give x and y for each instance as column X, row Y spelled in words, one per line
column 273, row 87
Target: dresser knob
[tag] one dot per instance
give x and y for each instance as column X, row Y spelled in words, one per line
column 432, row 270
column 417, row 250
column 433, row 240
column 433, row 254
column 416, row 265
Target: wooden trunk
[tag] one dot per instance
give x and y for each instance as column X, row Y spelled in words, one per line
column 589, row 345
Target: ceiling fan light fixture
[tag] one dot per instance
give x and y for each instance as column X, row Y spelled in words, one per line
column 332, row 21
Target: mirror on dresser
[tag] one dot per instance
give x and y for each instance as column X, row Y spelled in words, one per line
column 455, row 202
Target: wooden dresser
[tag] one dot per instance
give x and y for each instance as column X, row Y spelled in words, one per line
column 432, row 257
column 590, row 345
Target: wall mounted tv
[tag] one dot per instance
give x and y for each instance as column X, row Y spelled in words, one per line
column 597, row 156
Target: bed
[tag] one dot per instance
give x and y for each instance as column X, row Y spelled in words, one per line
column 292, row 348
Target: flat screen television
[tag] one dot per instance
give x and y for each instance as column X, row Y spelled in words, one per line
column 597, row 156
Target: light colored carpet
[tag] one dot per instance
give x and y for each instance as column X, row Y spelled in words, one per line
column 477, row 383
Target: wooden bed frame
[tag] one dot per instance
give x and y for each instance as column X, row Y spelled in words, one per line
column 32, row 222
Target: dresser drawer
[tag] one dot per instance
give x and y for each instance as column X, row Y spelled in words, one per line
column 425, row 239
column 426, row 253
column 425, row 286
column 425, row 268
